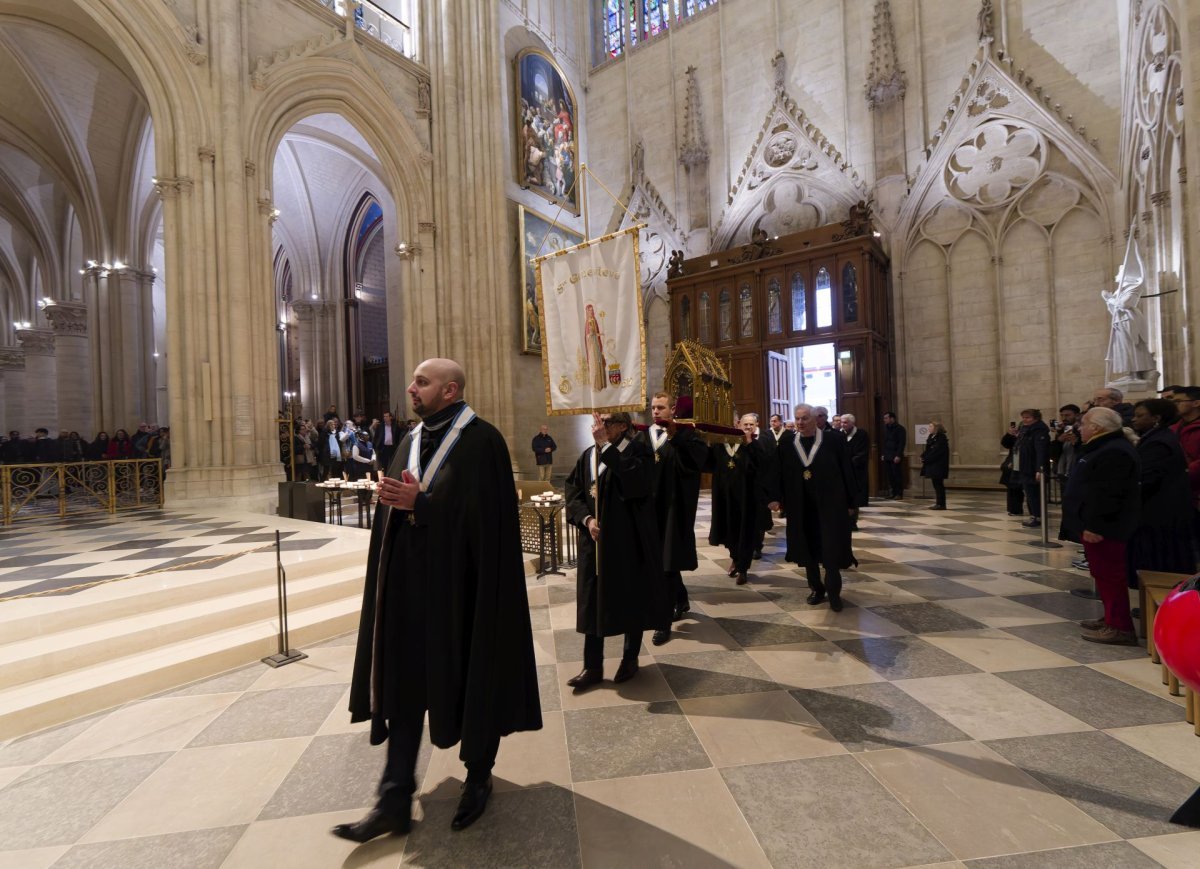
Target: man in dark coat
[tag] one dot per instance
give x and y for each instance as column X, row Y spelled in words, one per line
column 386, row 439
column 621, row 588
column 1100, row 509
column 445, row 618
column 1030, row 445
column 895, row 439
column 858, row 448
column 739, row 502
column 543, row 452
column 815, row 485
column 679, row 457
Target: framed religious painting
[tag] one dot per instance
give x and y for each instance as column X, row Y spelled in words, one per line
column 547, row 130
column 538, row 237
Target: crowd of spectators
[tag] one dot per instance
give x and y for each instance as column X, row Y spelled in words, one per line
column 148, row 442
column 350, row 449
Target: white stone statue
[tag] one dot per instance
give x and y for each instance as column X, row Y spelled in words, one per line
column 1129, row 358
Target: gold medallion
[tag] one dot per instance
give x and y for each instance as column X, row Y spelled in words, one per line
column 592, row 491
column 807, row 474
column 657, row 457
column 412, row 519
column 731, row 465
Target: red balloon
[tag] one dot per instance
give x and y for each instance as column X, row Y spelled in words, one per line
column 1177, row 633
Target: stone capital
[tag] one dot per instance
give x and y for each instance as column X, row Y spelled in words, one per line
column 36, row 342
column 407, row 251
column 12, row 359
column 304, row 311
column 170, row 188
column 67, row 318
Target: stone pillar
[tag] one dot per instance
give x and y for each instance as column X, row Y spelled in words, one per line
column 305, row 349
column 474, row 322
column 12, row 366
column 41, row 378
column 119, row 320
column 69, row 320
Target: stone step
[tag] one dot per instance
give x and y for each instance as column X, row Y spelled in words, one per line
column 106, row 684
column 70, row 648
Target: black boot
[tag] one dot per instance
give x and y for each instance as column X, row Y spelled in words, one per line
column 472, row 803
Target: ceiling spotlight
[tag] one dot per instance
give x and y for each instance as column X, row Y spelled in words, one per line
column 155, row 354
column 83, row 271
column 877, row 234
column 91, row 264
column 118, row 265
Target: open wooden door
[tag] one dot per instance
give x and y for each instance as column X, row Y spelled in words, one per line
column 778, row 387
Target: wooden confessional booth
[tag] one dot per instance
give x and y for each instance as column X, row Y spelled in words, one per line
column 757, row 306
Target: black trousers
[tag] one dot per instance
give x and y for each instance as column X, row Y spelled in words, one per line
column 1016, row 501
column 833, row 578
column 895, row 476
column 1033, row 499
column 593, row 649
column 939, row 490
column 741, row 557
column 399, row 781
column 678, row 589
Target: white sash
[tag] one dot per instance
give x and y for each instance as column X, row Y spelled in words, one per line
column 732, row 452
column 658, row 436
column 426, row 477
column 806, row 457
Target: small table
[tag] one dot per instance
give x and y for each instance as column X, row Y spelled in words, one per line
column 364, row 496
column 333, row 503
column 548, row 515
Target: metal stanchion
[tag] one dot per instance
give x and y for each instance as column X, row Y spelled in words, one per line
column 284, row 655
column 1044, row 543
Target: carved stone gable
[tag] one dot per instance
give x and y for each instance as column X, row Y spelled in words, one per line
column 662, row 233
column 793, row 179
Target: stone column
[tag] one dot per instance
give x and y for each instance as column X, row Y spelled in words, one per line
column 474, row 316
column 305, row 349
column 41, row 378
column 119, row 319
column 69, row 320
column 12, row 366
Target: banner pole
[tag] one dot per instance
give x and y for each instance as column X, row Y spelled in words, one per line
column 587, row 224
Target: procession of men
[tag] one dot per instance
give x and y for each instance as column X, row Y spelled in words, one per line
column 445, row 644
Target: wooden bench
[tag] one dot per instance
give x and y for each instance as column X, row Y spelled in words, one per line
column 1154, row 586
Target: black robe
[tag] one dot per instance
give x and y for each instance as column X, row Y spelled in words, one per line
column 445, row 612
column 630, row 591
column 859, row 451
column 739, row 500
column 822, row 536
column 677, row 467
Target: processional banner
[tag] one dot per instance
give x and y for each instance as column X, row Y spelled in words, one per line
column 593, row 334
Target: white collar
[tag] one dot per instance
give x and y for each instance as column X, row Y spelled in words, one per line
column 807, row 456
column 733, row 452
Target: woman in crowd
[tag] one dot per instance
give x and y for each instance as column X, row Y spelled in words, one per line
column 120, row 447
column 1100, row 509
column 330, row 449
column 97, row 450
column 1163, row 540
column 362, row 457
column 935, row 462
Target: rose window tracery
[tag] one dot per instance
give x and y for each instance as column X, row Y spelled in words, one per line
column 998, row 161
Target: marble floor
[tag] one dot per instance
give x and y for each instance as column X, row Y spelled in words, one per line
column 949, row 716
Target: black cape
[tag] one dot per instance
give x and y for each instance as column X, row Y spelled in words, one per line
column 818, row 520
column 739, row 500
column 859, row 451
column 677, row 467
column 445, row 612
column 629, row 593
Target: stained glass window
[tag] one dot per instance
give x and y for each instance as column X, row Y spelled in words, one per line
column 849, row 294
column 614, row 35
column 774, row 311
column 646, row 19
column 694, row 6
column 824, row 299
column 656, row 15
column 725, row 302
column 746, row 311
column 799, row 304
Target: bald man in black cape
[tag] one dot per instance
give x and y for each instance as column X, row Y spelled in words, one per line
column 814, row 483
column 445, row 618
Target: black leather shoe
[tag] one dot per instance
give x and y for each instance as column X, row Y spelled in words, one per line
column 586, row 679
column 471, row 805
column 732, row 570
column 757, row 554
column 835, row 604
column 816, row 597
column 660, row 637
column 627, row 670
column 680, row 609
column 742, row 579
column 375, row 824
